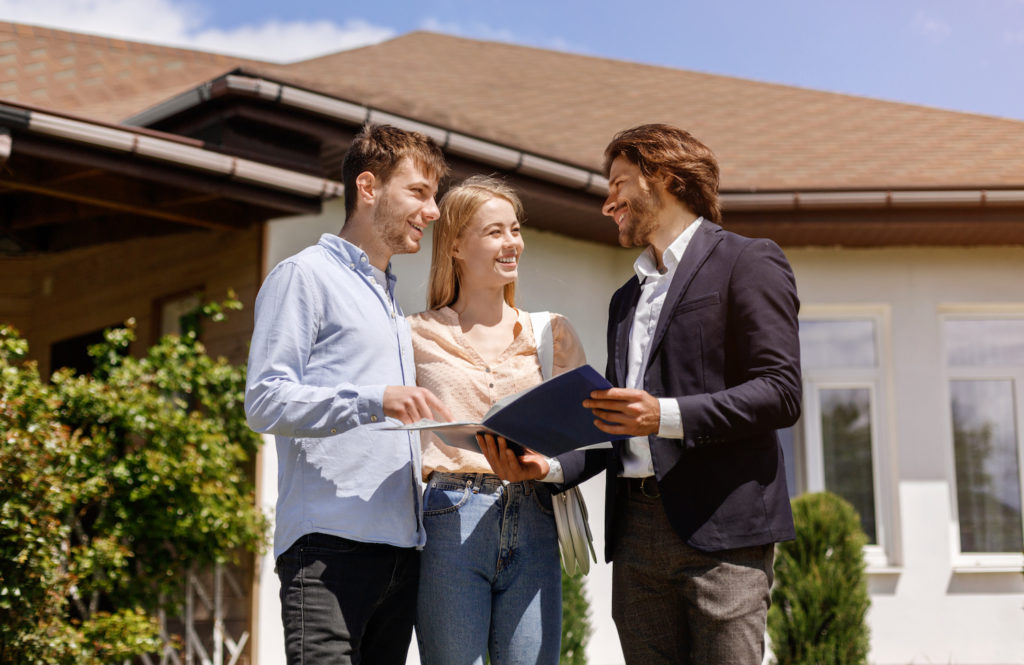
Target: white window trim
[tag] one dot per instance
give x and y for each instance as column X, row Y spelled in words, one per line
column 978, row 562
column 885, row 556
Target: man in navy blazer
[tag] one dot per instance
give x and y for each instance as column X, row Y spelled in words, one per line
column 704, row 352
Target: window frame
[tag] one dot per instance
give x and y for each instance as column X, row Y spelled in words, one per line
column 884, row 555
column 966, row 562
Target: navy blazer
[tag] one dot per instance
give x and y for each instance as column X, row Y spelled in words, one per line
column 727, row 348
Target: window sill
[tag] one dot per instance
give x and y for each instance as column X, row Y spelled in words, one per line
column 969, row 564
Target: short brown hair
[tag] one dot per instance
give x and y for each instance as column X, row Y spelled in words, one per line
column 688, row 166
column 379, row 149
column 457, row 207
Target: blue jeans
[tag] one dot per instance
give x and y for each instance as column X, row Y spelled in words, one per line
column 346, row 602
column 490, row 576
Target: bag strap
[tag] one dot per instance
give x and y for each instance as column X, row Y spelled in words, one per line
column 545, row 345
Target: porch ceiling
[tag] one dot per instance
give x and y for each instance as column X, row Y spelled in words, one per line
column 64, row 192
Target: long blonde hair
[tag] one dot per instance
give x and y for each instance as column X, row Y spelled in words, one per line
column 457, row 207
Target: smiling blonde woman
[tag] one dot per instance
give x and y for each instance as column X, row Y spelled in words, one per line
column 490, row 579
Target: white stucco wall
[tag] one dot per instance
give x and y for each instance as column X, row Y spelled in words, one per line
column 931, row 606
column 925, row 607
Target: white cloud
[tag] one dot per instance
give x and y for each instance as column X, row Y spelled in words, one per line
column 483, row 31
column 184, row 23
column 931, row 27
column 288, row 41
column 473, row 31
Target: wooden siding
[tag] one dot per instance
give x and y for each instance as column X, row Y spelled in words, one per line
column 57, row 296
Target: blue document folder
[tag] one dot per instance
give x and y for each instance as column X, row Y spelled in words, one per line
column 549, row 417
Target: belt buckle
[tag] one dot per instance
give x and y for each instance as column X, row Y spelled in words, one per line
column 643, row 487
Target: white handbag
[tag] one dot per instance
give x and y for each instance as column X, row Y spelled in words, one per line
column 575, row 541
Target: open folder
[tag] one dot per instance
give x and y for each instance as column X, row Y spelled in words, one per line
column 549, row 417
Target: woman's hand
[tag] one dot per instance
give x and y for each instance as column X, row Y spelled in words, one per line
column 505, row 464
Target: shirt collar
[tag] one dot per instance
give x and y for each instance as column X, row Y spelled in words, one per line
column 352, row 256
column 646, row 267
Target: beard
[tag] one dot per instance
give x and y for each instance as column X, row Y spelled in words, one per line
column 391, row 228
column 643, row 220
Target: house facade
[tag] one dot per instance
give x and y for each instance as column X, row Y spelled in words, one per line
column 904, row 226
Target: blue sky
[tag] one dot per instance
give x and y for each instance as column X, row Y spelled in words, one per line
column 964, row 55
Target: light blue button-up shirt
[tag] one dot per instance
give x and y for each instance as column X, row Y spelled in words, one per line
column 327, row 340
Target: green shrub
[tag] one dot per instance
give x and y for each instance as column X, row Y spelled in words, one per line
column 114, row 485
column 820, row 598
column 575, row 620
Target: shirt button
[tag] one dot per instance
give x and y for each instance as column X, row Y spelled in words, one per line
column 487, row 369
column 373, row 418
column 363, row 259
column 334, row 431
column 491, row 385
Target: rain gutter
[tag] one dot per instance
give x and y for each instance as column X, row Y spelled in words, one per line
column 560, row 173
column 456, row 143
column 144, row 144
column 5, row 145
column 877, row 199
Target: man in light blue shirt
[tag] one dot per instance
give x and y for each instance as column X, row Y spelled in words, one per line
column 331, row 358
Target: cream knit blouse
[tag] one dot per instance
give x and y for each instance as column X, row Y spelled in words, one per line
column 449, row 366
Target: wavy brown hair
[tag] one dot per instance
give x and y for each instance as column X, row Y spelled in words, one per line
column 457, row 207
column 688, row 166
column 379, row 149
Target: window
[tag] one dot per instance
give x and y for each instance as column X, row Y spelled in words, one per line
column 74, row 351
column 985, row 362
column 178, row 314
column 837, row 444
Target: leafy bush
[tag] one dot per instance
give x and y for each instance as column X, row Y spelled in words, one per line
column 114, row 485
column 820, row 598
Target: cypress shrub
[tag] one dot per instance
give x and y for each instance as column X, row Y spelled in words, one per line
column 820, row 598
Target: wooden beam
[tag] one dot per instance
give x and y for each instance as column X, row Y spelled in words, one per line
column 119, row 206
column 34, row 152
column 73, row 176
column 65, row 212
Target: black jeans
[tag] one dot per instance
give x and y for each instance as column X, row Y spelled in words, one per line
column 347, row 602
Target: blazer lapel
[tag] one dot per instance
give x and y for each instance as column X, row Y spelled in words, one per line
column 630, row 297
column 697, row 252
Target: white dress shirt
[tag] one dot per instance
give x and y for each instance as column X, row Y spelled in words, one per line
column 636, row 453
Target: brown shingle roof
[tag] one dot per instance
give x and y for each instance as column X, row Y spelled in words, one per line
column 563, row 106
column 766, row 136
column 99, row 77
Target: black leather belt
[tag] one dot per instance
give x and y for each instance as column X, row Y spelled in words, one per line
column 643, row 486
